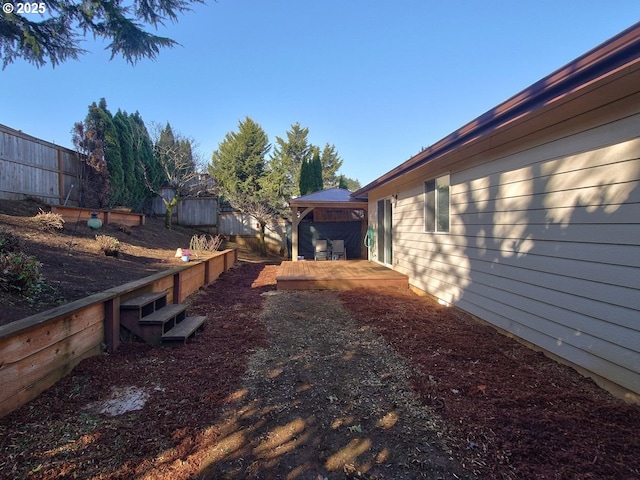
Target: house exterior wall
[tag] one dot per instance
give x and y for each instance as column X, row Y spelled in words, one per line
column 544, row 240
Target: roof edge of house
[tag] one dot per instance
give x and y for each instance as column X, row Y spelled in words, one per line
column 620, row 50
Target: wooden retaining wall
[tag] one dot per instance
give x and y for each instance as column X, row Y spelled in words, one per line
column 76, row 214
column 37, row 351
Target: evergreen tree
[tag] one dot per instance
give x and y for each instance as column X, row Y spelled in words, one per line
column 311, row 174
column 239, row 162
column 239, row 168
column 287, row 160
column 163, row 148
column 351, row 184
column 94, row 179
column 55, row 34
column 316, row 183
column 174, row 156
column 304, row 185
column 99, row 119
column 146, row 165
column 125, row 138
column 331, row 163
column 98, row 129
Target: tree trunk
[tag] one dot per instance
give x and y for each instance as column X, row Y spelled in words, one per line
column 169, row 214
column 263, row 245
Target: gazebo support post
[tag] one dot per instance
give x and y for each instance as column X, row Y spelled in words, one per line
column 294, row 230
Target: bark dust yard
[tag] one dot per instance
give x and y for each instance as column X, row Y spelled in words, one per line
column 322, row 385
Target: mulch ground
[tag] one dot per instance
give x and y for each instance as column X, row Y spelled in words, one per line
column 317, row 385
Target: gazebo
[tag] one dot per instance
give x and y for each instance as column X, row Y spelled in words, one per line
column 331, row 208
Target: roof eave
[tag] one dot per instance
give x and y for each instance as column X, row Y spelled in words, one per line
column 356, row 204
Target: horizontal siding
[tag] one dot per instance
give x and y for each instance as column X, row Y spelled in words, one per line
column 602, row 144
column 606, row 361
column 479, row 246
column 611, row 285
column 544, row 243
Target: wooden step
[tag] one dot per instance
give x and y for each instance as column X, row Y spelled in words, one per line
column 150, row 328
column 164, row 315
column 158, row 299
column 179, row 334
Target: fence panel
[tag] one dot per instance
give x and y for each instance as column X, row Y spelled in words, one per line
column 33, row 167
column 236, row 223
column 198, row 212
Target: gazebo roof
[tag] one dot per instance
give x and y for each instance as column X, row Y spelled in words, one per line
column 332, row 198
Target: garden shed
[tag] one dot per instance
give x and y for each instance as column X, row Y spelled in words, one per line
column 332, row 214
column 528, row 217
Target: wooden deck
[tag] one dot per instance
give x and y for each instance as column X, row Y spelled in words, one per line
column 338, row 275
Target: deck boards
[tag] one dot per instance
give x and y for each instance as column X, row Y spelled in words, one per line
column 338, row 275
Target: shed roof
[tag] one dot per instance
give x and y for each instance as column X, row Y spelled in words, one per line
column 620, row 51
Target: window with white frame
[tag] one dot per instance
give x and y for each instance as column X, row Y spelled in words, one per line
column 436, row 204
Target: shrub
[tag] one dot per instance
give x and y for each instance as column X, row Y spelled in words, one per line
column 49, row 221
column 20, row 274
column 9, row 241
column 109, row 245
column 205, row 243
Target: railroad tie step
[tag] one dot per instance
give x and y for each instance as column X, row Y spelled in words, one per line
column 179, row 334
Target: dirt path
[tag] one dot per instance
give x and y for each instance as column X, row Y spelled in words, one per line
column 325, row 399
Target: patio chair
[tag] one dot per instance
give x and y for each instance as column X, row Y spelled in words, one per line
column 321, row 250
column 338, row 250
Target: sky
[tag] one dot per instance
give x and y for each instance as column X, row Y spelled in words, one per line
column 379, row 79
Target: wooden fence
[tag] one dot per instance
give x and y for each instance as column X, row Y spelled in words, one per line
column 32, row 167
column 243, row 229
column 203, row 213
column 200, row 212
column 35, row 352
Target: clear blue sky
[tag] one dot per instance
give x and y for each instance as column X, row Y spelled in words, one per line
column 379, row 79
